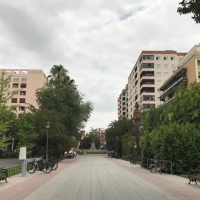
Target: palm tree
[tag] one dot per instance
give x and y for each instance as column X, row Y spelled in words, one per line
column 59, row 77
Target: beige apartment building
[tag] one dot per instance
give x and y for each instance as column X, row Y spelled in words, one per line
column 148, row 74
column 26, row 81
column 123, row 103
column 186, row 72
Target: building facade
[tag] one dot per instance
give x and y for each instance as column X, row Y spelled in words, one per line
column 123, row 103
column 26, row 81
column 148, row 74
column 186, row 72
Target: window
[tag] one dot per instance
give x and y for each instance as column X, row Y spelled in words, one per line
column 158, row 73
column 158, row 58
column 23, row 85
column 15, row 78
column 15, row 85
column 24, row 78
column 165, row 58
column 173, row 66
column 166, row 74
column 158, row 65
column 172, row 58
column 16, row 72
column 165, row 66
column 8, row 86
column 158, row 82
column 21, row 108
column 22, row 92
column 14, row 100
column 24, row 72
column 22, row 100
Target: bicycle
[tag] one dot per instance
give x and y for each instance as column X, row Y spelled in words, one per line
column 154, row 167
column 40, row 165
column 54, row 164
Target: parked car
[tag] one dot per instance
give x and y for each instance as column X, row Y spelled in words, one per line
column 2, row 154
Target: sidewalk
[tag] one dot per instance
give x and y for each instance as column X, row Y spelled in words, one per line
column 98, row 177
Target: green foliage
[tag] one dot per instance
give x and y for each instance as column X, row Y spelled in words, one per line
column 7, row 118
column 171, row 130
column 190, row 6
column 177, row 143
column 4, row 82
column 58, row 137
column 128, row 141
column 61, row 95
column 86, row 141
column 27, row 134
column 118, row 128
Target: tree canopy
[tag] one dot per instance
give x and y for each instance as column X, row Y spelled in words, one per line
column 61, row 95
column 190, row 6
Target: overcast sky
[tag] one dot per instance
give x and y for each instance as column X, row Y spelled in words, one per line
column 97, row 41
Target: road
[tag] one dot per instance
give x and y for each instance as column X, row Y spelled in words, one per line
column 9, row 162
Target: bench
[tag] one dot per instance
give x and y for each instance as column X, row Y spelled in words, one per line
column 193, row 175
column 3, row 174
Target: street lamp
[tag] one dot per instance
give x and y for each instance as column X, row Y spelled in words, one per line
column 116, row 146
column 47, row 127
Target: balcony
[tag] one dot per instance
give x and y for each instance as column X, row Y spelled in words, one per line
column 147, row 106
column 147, row 66
column 146, row 74
column 178, row 79
column 147, row 90
column 146, row 81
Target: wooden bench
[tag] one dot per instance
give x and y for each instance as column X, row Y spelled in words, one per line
column 193, row 175
column 3, row 174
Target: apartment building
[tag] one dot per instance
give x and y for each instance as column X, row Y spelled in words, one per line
column 186, row 72
column 150, row 71
column 26, row 81
column 123, row 103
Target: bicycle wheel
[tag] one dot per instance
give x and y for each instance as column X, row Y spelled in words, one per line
column 54, row 165
column 46, row 168
column 31, row 168
column 152, row 169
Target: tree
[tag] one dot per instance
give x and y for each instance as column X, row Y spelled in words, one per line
column 60, row 96
column 27, row 133
column 128, row 144
column 190, row 6
column 118, row 128
column 58, row 137
column 7, row 117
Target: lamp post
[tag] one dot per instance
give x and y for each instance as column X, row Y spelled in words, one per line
column 47, row 127
column 116, row 146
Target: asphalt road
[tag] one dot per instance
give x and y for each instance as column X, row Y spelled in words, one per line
column 9, row 162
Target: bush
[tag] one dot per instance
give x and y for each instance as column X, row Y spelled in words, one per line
column 11, row 155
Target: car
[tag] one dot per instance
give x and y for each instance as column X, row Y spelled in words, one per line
column 2, row 154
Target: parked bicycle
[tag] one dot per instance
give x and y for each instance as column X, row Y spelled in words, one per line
column 155, row 167
column 54, row 164
column 40, row 165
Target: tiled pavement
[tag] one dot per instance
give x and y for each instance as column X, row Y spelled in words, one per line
column 98, row 177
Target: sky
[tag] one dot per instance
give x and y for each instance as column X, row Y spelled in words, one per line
column 97, row 41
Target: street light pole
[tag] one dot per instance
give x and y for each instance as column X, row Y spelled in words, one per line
column 116, row 146
column 47, row 127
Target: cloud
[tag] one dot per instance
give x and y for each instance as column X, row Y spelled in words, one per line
column 98, row 42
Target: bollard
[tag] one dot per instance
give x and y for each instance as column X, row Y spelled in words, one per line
column 24, row 168
column 22, row 156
